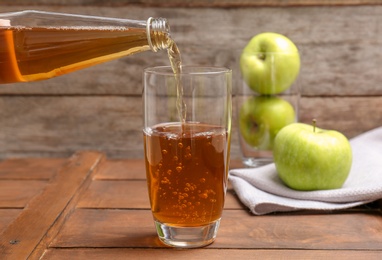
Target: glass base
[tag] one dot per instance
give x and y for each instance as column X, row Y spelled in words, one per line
column 187, row 237
column 257, row 162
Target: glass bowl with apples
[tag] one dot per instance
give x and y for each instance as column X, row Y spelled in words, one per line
column 267, row 96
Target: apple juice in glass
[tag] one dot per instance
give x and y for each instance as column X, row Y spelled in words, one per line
column 187, row 152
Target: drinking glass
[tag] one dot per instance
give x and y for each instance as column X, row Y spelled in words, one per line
column 187, row 154
column 261, row 116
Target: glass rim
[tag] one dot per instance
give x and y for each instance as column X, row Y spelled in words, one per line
column 191, row 70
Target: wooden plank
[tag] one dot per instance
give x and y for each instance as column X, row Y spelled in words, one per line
column 56, row 227
column 7, row 216
column 108, row 228
column 134, row 228
column 351, row 116
column 197, row 3
column 122, row 169
column 16, row 193
column 116, row 194
column 62, row 125
column 21, row 237
column 347, row 231
column 30, row 168
column 123, row 253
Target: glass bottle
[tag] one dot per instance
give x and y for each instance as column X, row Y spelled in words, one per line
column 36, row 45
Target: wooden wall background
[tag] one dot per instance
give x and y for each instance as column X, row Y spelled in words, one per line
column 100, row 108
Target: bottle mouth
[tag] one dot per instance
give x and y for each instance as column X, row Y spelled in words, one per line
column 158, row 32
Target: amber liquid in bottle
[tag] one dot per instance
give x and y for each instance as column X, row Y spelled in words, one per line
column 30, row 54
column 37, row 52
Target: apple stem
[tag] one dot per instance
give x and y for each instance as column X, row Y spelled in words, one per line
column 261, row 56
column 314, row 121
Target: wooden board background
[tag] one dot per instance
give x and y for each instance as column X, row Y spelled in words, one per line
column 100, row 108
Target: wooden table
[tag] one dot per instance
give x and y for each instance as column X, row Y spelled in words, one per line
column 90, row 207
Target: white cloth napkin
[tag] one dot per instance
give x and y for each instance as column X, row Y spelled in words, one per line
column 261, row 190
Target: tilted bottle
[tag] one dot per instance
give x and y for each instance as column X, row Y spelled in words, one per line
column 36, row 45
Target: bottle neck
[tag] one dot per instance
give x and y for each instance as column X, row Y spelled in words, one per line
column 158, row 33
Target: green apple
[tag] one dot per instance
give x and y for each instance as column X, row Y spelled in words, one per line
column 261, row 117
column 308, row 158
column 270, row 63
